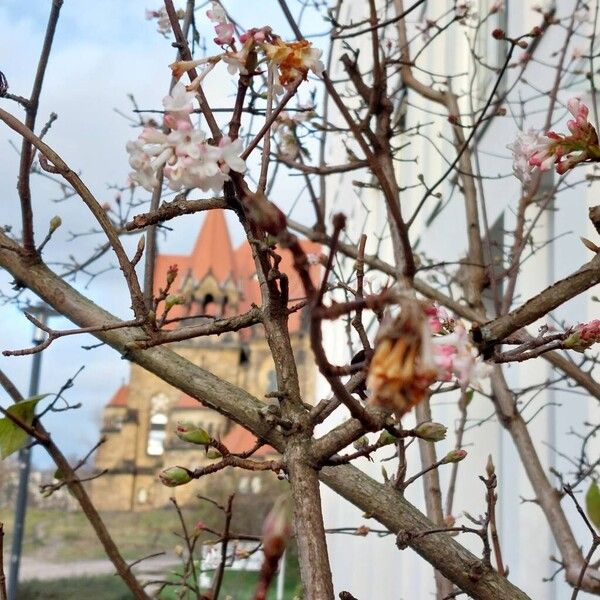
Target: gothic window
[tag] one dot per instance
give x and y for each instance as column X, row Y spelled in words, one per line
column 244, row 485
column 256, row 484
column 244, row 357
column 208, row 299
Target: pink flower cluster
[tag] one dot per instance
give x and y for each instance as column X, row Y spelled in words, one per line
column 584, row 335
column 223, row 28
column 453, row 353
column 188, row 159
column 532, row 150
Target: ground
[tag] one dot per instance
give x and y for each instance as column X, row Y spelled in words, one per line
column 60, row 548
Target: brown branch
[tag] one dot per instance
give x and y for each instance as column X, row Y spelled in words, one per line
column 382, row 168
column 184, row 51
column 322, row 170
column 459, row 308
column 308, row 522
column 88, row 198
column 460, row 432
column 270, row 119
column 232, row 460
column 217, row 327
column 54, row 335
column 31, row 109
column 547, row 497
column 379, row 25
column 595, row 541
column 385, row 505
column 3, row 595
column 190, row 542
column 541, row 304
column 39, row 433
column 431, row 487
column 392, row 510
column 225, row 537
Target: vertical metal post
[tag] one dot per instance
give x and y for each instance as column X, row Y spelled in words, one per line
column 281, row 577
column 41, row 314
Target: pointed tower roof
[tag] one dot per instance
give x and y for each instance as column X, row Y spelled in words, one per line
column 120, row 397
column 213, row 250
column 239, row 439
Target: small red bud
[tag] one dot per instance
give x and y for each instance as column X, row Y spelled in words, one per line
column 172, row 273
column 498, row 34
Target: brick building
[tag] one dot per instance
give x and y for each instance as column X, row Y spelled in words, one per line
column 139, row 421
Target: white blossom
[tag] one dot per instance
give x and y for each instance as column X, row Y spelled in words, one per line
column 179, row 101
column 527, row 143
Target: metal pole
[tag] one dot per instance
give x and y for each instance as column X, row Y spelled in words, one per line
column 281, row 577
column 24, row 468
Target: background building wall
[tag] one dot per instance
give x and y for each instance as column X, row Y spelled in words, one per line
column 372, row 567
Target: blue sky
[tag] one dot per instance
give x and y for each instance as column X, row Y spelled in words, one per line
column 102, row 52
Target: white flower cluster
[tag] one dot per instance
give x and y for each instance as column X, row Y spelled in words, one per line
column 163, row 25
column 285, row 129
column 188, row 159
column 526, row 144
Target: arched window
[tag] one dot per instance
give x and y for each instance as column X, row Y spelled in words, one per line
column 157, row 434
column 244, row 485
column 244, row 357
column 158, row 425
column 208, row 299
column 256, row 484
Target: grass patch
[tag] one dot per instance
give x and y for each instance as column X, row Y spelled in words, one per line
column 66, row 536
column 240, row 585
column 106, row 587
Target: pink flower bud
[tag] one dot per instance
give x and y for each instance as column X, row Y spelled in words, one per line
column 277, row 528
column 224, row 33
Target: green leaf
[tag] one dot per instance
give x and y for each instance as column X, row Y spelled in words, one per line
column 469, row 396
column 12, row 437
column 592, row 504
